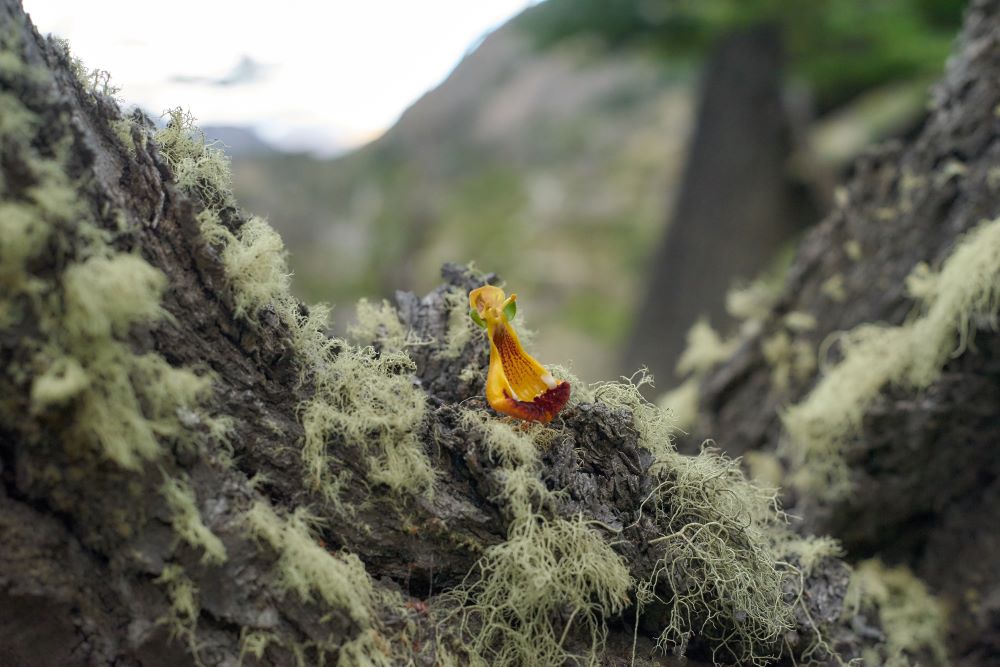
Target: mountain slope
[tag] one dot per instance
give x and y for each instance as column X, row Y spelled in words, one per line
column 553, row 168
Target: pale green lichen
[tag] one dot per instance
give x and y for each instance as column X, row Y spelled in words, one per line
column 182, row 617
column 368, row 401
column 682, row 403
column 834, row 288
column 705, row 349
column 187, row 523
column 198, row 166
column 788, row 359
column 912, row 619
column 82, row 362
column 853, row 250
column 967, row 289
column 61, row 382
column 308, row 570
column 719, row 559
column 257, row 269
column 550, row 577
column 544, row 569
column 799, row 321
column 378, row 323
column 461, row 328
column 106, row 295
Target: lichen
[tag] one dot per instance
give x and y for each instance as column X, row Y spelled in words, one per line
column 548, row 569
column 308, row 570
column 719, row 559
column 197, row 165
column 367, row 401
column 682, row 403
column 833, row 287
column 187, row 523
column 965, row 290
column 913, row 621
column 705, row 349
column 182, row 616
column 789, row 359
column 545, row 568
column 378, row 322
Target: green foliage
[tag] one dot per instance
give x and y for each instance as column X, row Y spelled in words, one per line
column 841, row 47
column 966, row 289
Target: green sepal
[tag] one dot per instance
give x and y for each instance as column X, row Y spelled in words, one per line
column 510, row 310
column 474, row 314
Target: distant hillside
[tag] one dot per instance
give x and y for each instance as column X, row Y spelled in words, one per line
column 238, row 142
column 553, row 169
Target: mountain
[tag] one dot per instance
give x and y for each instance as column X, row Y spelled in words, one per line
column 553, row 169
column 238, row 142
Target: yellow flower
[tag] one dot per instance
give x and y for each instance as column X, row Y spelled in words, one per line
column 516, row 384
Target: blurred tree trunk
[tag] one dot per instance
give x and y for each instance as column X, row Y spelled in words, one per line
column 737, row 205
column 924, row 465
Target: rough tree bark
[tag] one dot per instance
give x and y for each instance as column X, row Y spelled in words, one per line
column 141, row 549
column 924, row 464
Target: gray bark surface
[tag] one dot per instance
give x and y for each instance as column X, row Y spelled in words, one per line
column 925, row 466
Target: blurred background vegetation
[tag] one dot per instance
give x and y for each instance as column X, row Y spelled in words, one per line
column 555, row 153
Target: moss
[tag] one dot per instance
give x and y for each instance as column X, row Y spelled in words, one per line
column 913, row 621
column 705, row 349
column 187, row 521
column 308, row 570
column 911, row 355
column 368, row 401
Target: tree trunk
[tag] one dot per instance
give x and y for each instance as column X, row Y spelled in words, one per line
column 738, row 203
column 192, row 472
column 919, row 458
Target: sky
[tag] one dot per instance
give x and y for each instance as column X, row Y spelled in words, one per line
column 306, row 74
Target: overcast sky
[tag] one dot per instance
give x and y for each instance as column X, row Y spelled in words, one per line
column 307, row 74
